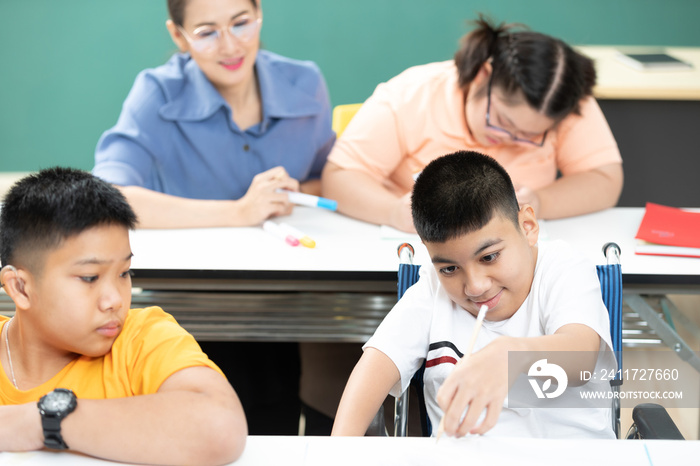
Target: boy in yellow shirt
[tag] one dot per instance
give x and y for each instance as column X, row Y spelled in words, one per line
column 81, row 371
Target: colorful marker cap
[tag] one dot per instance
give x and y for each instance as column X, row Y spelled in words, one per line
column 308, row 242
column 327, row 203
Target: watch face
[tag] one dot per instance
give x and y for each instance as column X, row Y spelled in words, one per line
column 57, row 401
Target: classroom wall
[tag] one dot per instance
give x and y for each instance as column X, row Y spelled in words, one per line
column 66, row 66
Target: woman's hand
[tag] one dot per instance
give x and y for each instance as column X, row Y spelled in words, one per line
column 263, row 201
column 401, row 216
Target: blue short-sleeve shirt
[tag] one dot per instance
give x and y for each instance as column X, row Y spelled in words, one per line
column 176, row 134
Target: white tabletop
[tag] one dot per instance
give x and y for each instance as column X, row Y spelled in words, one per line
column 588, row 233
column 337, row 451
column 344, row 244
column 370, row 451
column 616, row 80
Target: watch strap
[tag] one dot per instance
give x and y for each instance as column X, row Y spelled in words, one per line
column 54, row 440
column 51, row 424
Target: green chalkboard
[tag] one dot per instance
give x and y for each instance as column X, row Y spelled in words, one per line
column 66, row 66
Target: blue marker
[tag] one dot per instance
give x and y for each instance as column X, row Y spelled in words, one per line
column 310, row 200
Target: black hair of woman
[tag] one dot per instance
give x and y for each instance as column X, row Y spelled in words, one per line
column 544, row 71
column 176, row 10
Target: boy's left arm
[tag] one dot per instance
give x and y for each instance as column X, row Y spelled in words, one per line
column 194, row 418
column 480, row 382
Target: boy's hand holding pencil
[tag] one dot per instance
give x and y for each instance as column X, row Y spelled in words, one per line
column 478, row 382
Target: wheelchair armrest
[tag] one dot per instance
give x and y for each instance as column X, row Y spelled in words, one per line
column 377, row 427
column 653, row 422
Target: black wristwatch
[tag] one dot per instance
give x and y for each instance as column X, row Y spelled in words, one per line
column 53, row 407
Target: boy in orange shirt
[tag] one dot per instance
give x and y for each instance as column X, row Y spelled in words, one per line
column 81, row 370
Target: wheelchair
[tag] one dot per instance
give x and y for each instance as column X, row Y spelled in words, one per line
column 650, row 421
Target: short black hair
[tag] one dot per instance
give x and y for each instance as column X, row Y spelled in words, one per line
column 459, row 193
column 43, row 209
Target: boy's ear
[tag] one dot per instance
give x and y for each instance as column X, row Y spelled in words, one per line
column 528, row 224
column 14, row 281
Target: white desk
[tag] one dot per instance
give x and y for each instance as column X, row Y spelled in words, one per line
column 349, row 250
column 407, row 451
column 244, row 284
column 648, row 274
column 343, row 245
column 259, row 288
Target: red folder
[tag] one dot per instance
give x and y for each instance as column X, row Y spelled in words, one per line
column 671, row 231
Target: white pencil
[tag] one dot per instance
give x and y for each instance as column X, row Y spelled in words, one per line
column 310, row 200
column 475, row 333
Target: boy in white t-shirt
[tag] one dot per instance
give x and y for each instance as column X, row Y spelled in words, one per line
column 542, row 299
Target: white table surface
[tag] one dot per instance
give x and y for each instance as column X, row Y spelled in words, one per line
column 616, row 80
column 342, row 244
column 369, row 451
column 345, row 244
column 589, row 233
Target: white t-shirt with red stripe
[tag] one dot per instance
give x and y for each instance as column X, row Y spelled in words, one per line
column 426, row 325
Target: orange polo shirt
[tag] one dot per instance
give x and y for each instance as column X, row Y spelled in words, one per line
column 418, row 116
column 151, row 347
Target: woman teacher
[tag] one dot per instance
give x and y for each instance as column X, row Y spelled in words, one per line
column 208, row 139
